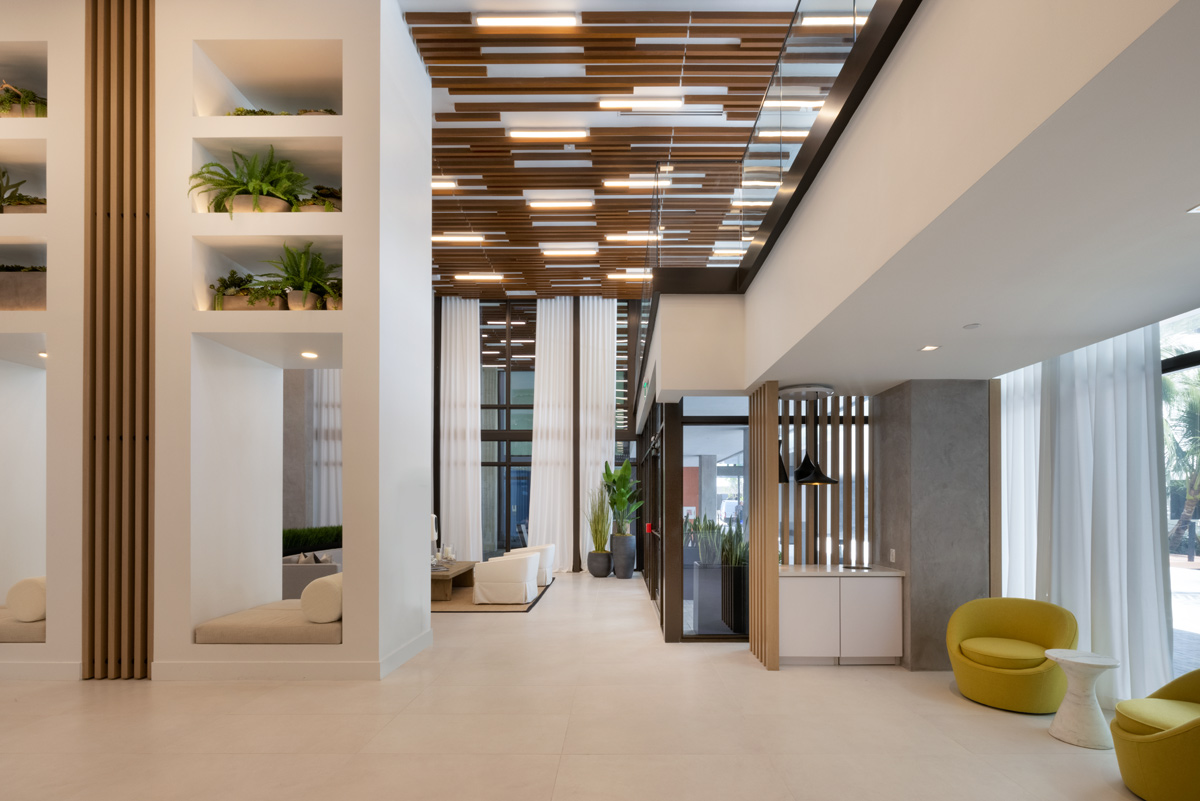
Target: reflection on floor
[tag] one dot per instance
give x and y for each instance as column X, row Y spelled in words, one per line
column 579, row 699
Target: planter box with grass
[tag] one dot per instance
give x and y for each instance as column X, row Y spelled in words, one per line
column 22, row 290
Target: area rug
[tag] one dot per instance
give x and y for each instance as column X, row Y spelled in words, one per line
column 461, row 601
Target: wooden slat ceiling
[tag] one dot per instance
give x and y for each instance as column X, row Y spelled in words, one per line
column 488, row 81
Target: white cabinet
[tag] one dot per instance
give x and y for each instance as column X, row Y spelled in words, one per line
column 830, row 616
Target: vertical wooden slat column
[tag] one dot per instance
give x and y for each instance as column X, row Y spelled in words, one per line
column 764, row 524
column 860, row 478
column 850, row 480
column 833, row 471
column 118, row 536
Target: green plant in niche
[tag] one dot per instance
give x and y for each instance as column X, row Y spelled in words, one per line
column 255, row 112
column 300, row 270
column 241, row 284
column 20, row 268
column 317, row 111
column 622, row 495
column 10, row 194
column 21, row 98
column 599, row 520
column 334, row 289
column 249, row 176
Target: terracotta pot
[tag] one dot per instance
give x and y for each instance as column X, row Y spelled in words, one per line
column 24, row 209
column 23, row 291
column 333, row 304
column 269, row 205
column 28, row 112
column 242, row 303
column 297, row 302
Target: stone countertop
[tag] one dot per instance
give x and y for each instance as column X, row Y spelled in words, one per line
column 801, row 571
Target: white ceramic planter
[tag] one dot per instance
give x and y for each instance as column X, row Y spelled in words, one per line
column 333, row 304
column 269, row 205
column 296, row 301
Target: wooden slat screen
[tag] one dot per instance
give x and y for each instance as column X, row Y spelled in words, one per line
column 833, row 432
column 118, row 534
column 763, row 461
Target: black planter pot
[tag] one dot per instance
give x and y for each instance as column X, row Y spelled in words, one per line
column 599, row 564
column 706, row 600
column 735, row 598
column 624, row 553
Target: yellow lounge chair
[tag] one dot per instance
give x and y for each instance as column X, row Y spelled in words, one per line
column 1158, row 741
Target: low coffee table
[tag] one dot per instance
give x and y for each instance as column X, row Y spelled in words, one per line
column 443, row 582
column 1079, row 720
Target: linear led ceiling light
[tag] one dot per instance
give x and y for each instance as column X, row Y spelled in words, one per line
column 802, row 102
column 644, row 103
column 796, row 134
column 576, row 252
column 629, row 276
column 479, row 277
column 638, row 183
column 561, row 204
column 753, row 182
column 441, row 184
column 752, row 202
column 457, row 238
column 569, row 133
column 729, row 253
column 806, row 20
column 631, row 237
column 548, row 21
column 501, row 322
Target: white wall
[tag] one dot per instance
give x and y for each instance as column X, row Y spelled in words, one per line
column 967, row 82
column 698, row 347
column 22, row 473
column 237, row 481
column 405, row 366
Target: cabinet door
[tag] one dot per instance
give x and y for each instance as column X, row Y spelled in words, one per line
column 872, row 625
column 808, row 617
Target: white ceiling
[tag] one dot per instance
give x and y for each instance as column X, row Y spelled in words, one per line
column 23, row 349
column 283, row 349
column 1079, row 234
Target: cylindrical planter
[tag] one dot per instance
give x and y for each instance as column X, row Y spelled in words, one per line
column 23, row 291
column 268, row 205
column 599, row 564
column 39, row 208
column 297, row 302
column 242, row 303
column 624, row 553
column 333, row 304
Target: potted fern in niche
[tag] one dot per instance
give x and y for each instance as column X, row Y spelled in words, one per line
column 17, row 102
column 622, row 493
column 599, row 521
column 22, row 288
column 238, row 292
column 13, row 202
column 303, row 275
column 253, row 185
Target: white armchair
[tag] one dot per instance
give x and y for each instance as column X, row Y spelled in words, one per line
column 545, row 560
column 507, row 580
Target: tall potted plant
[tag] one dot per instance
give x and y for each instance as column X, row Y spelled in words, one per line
column 599, row 560
column 735, row 579
column 706, row 580
column 622, row 499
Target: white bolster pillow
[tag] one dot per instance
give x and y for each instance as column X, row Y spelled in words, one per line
column 321, row 600
column 27, row 599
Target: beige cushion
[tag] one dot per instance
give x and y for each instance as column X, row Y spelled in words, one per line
column 27, row 599
column 1152, row 715
column 322, row 599
column 13, row 630
column 279, row 623
column 1000, row 652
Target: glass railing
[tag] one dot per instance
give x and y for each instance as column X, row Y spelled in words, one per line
column 706, row 213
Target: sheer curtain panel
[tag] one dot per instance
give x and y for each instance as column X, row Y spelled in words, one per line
column 551, row 502
column 327, row 448
column 1020, row 428
column 460, row 441
column 597, row 399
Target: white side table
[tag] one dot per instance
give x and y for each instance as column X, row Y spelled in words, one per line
column 1079, row 720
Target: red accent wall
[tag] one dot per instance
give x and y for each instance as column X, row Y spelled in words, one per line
column 691, row 488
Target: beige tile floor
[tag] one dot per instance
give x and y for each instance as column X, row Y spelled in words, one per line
column 580, row 699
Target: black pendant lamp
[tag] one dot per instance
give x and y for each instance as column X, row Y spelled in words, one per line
column 810, row 473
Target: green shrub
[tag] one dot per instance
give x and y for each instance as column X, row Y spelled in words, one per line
column 303, row 540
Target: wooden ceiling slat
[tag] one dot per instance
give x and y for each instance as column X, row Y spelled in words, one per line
column 438, row 18
column 454, row 116
column 436, row 71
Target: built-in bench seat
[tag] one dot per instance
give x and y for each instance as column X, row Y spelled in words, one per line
column 13, row 630
column 278, row 623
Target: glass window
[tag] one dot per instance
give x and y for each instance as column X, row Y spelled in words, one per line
column 737, row 406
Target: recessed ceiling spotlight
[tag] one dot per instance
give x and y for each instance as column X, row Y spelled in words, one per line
column 971, row 326
column 42, row 354
column 930, row 347
column 308, row 354
column 548, row 21
column 573, row 133
column 1194, row 211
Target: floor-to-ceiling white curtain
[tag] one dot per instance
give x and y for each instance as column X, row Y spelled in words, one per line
column 327, row 448
column 1100, row 495
column 459, row 438
column 597, row 399
column 551, row 502
column 1020, row 410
